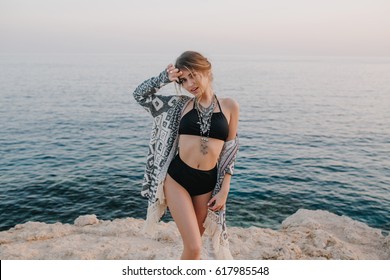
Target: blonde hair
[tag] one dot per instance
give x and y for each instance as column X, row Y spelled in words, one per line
column 194, row 62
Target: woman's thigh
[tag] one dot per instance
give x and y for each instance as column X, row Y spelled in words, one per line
column 201, row 208
column 182, row 210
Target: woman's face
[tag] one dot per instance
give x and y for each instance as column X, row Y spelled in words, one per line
column 194, row 82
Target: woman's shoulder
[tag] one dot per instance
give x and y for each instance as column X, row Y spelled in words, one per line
column 185, row 98
column 229, row 103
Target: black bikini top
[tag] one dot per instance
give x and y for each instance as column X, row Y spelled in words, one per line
column 219, row 128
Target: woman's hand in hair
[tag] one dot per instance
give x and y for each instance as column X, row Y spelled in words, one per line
column 173, row 73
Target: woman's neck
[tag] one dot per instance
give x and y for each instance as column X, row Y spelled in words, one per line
column 206, row 98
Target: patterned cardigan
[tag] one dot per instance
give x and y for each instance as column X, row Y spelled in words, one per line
column 166, row 112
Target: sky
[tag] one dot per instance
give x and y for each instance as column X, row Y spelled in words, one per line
column 260, row 27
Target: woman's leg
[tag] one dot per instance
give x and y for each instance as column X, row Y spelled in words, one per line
column 200, row 207
column 182, row 210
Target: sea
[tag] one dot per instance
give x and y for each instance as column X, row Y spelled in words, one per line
column 314, row 134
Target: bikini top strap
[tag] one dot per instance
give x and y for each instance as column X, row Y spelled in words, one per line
column 219, row 105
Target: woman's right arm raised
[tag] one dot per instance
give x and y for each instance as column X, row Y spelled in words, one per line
column 144, row 94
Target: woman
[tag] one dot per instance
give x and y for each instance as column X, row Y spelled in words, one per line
column 191, row 154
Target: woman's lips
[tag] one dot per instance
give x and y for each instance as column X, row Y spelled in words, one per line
column 195, row 89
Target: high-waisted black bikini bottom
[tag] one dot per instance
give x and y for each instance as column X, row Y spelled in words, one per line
column 195, row 181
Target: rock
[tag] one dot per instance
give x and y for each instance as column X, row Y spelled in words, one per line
column 306, row 234
column 86, row 220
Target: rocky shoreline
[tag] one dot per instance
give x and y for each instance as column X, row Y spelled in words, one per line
column 307, row 234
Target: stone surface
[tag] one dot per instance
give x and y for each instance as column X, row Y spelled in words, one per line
column 306, row 234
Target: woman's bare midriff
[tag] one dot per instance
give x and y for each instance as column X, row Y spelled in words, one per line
column 190, row 152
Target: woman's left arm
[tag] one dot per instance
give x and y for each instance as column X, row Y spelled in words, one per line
column 219, row 200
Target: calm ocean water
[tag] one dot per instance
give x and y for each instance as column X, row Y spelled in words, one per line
column 315, row 134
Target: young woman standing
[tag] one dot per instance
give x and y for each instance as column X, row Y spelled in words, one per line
column 191, row 154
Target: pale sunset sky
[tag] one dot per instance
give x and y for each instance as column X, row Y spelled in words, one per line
column 261, row 27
